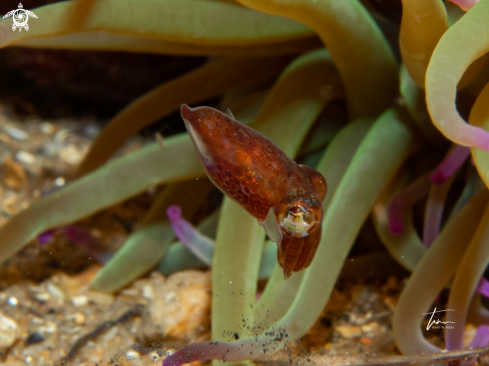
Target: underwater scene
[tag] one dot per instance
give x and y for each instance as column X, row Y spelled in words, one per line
column 239, row 182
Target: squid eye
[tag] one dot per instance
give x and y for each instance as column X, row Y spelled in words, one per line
column 298, row 220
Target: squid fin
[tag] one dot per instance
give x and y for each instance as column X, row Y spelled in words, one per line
column 228, row 112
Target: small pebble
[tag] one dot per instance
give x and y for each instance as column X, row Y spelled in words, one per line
column 47, row 128
column 131, row 355
column 34, row 338
column 79, row 300
column 348, row 331
column 79, row 318
column 180, row 306
column 8, row 331
column 43, row 297
column 70, row 154
column 50, row 328
column 100, row 298
column 55, row 290
column 16, row 133
column 25, row 157
column 148, row 292
column 59, row 181
column 372, row 328
column 61, row 135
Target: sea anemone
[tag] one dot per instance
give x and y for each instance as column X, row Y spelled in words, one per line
column 278, row 64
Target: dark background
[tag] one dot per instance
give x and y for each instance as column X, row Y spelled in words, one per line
column 54, row 84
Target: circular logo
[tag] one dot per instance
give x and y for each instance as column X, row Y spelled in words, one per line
column 20, row 17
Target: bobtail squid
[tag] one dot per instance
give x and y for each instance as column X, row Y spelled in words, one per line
column 285, row 197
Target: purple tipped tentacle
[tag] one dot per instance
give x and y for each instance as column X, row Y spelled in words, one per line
column 84, row 238
column 408, row 196
column 80, row 236
column 442, row 179
column 465, row 5
column 200, row 245
column 481, row 338
column 483, row 287
column 394, row 214
column 251, row 348
column 452, row 162
column 237, row 351
column 174, row 213
column 46, row 236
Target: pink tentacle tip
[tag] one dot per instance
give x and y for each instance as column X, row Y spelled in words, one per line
column 174, row 212
column 438, row 177
column 394, row 216
column 481, row 338
column 178, row 358
column 396, row 226
column 465, row 5
column 46, row 236
column 449, row 166
column 79, row 235
column 483, row 287
column 405, row 198
column 197, row 352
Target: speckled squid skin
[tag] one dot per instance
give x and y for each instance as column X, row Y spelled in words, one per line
column 250, row 169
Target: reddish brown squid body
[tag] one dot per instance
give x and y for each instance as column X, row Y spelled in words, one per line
column 283, row 196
